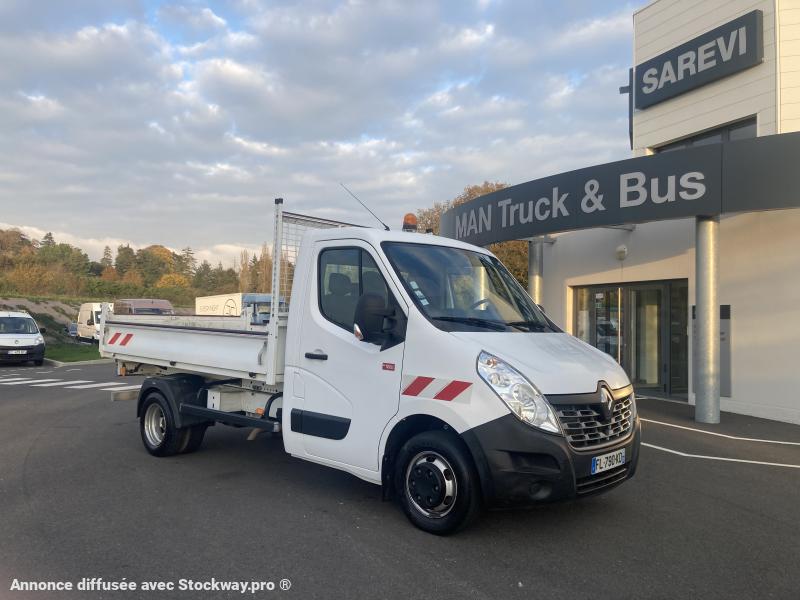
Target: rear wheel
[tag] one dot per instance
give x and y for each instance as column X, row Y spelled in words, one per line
column 436, row 482
column 157, row 427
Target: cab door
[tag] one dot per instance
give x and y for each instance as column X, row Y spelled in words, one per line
column 351, row 387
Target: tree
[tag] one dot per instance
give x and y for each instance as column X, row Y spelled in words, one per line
column 186, row 262
column 264, row 270
column 244, row 273
column 203, row 277
column 107, row 260
column 48, row 239
column 109, row 274
column 226, row 281
column 96, row 268
column 71, row 258
column 133, row 277
column 153, row 262
column 514, row 254
column 173, row 280
column 15, row 247
column 125, row 261
column 429, row 218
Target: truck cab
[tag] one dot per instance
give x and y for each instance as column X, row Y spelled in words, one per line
column 414, row 362
column 401, row 336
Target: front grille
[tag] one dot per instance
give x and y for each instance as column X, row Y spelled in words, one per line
column 585, row 426
column 594, row 483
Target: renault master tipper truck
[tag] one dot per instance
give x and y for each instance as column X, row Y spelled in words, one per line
column 412, row 361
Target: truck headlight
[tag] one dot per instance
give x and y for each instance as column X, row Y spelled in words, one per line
column 39, row 340
column 517, row 393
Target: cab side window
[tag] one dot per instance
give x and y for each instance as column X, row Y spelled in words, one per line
column 345, row 274
column 339, row 284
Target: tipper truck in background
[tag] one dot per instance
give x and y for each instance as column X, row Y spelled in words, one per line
column 415, row 362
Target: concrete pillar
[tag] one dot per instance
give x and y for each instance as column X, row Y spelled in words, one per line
column 706, row 350
column 535, row 264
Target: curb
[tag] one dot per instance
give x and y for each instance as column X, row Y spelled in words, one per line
column 58, row 363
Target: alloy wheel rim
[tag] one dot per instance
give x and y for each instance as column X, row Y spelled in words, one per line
column 154, row 425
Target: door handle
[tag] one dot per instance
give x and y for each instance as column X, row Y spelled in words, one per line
column 317, row 355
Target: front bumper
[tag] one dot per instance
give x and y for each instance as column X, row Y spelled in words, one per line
column 521, row 466
column 31, row 353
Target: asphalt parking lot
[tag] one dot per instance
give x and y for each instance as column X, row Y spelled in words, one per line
column 80, row 497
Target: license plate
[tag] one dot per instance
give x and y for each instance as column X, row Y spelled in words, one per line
column 604, row 462
column 17, row 351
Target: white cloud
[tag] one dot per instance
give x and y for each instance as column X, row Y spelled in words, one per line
column 180, row 127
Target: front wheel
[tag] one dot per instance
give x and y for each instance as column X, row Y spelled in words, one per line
column 437, row 483
column 157, row 427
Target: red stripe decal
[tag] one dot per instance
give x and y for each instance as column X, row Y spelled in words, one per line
column 114, row 338
column 415, row 387
column 451, row 390
column 126, row 339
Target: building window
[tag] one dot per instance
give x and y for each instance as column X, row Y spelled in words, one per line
column 741, row 130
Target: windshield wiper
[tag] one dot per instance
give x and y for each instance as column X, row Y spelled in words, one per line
column 496, row 325
column 529, row 325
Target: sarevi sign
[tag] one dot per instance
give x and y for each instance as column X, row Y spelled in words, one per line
column 728, row 49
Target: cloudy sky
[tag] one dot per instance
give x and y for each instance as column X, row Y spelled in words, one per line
column 147, row 122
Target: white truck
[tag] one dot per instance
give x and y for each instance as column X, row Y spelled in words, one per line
column 232, row 305
column 414, row 362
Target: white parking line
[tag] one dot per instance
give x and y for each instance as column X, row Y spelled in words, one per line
column 73, row 382
column 68, row 370
column 730, row 437
column 721, row 458
column 26, row 382
column 13, row 379
column 121, row 389
column 91, row 385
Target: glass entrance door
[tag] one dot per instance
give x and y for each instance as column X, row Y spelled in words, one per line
column 643, row 326
column 643, row 359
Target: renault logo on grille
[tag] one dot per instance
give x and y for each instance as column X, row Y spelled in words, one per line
column 607, row 402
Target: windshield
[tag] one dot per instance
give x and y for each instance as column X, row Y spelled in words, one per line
column 153, row 311
column 463, row 290
column 18, row 326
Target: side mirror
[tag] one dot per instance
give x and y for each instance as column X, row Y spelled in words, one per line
column 42, row 330
column 378, row 324
column 368, row 321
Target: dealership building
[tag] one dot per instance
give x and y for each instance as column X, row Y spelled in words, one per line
column 635, row 257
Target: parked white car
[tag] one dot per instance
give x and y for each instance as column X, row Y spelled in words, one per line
column 21, row 339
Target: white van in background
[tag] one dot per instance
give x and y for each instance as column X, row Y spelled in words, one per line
column 89, row 321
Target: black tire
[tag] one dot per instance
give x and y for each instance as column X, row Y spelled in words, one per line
column 436, row 482
column 193, row 438
column 38, row 363
column 157, row 427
